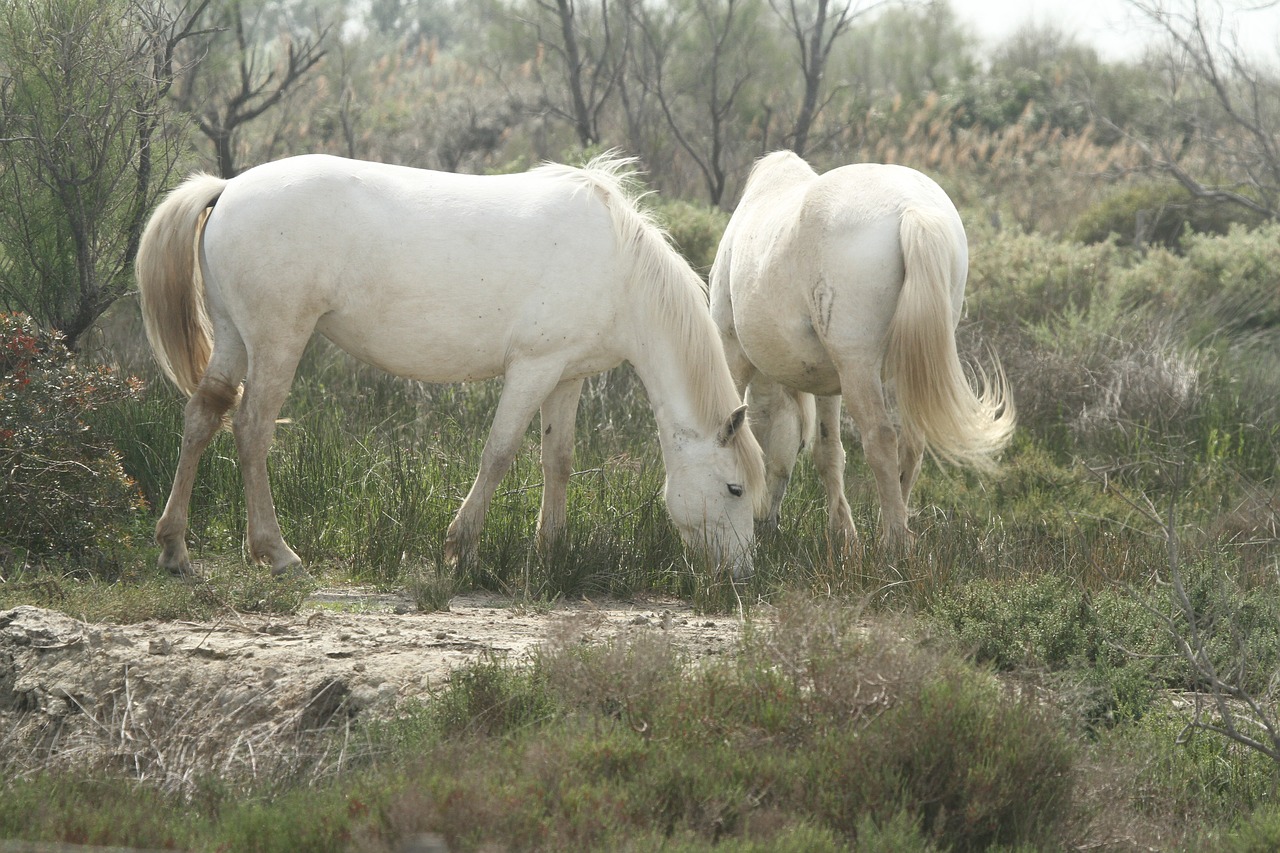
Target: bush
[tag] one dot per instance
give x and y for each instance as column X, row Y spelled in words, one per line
column 1017, row 279
column 1259, row 833
column 1220, row 288
column 1156, row 214
column 695, row 230
column 63, row 490
column 978, row 768
column 1104, row 651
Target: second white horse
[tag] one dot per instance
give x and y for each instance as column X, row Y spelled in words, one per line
column 832, row 284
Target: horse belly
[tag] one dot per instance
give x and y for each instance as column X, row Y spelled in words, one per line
column 442, row 278
column 784, row 345
column 471, row 339
column 428, row 354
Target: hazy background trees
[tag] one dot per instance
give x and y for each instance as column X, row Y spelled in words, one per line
column 87, row 143
column 100, row 100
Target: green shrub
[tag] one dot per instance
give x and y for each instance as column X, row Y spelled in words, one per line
column 1186, row 777
column 1039, row 622
column 695, row 229
column 1159, row 213
column 491, row 698
column 1104, row 652
column 1222, row 288
column 1241, row 274
column 1017, row 279
column 1239, row 626
column 1258, row 833
column 975, row 766
column 961, row 758
column 63, row 490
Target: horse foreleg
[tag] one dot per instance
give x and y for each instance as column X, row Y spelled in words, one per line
column 829, row 459
column 779, row 425
column 200, row 422
column 559, row 413
column 522, row 393
column 864, row 396
column 254, row 427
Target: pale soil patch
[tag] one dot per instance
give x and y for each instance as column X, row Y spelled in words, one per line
column 172, row 700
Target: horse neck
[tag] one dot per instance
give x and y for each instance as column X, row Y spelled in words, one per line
column 677, row 355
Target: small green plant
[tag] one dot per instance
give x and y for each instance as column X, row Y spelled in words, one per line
column 491, row 698
column 252, row 589
column 431, row 587
column 1258, row 833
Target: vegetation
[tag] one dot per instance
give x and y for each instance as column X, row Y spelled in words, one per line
column 64, row 492
column 1081, row 652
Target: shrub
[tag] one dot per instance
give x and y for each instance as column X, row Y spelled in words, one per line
column 63, row 490
column 978, row 768
column 1238, row 627
column 490, row 698
column 1259, row 833
column 1105, row 651
column 1156, row 214
column 695, row 229
column 1017, row 278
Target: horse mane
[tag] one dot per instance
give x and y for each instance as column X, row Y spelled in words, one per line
column 678, row 294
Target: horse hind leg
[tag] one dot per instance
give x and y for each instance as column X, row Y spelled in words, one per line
column 910, row 457
column 864, row 395
column 269, row 377
column 201, row 420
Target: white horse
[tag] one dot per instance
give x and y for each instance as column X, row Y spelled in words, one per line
column 543, row 278
column 830, row 284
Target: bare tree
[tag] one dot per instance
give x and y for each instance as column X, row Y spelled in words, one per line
column 700, row 103
column 234, row 85
column 84, row 148
column 816, row 27
column 592, row 54
column 1224, row 145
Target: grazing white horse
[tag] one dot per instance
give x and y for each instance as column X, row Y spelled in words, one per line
column 829, row 285
column 543, row 278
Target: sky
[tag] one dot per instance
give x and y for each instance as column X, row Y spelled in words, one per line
column 1111, row 26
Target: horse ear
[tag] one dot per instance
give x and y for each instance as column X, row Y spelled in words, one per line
column 732, row 425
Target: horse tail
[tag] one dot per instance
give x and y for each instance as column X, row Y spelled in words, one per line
column 940, row 411
column 170, row 286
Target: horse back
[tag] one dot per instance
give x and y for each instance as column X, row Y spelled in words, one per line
column 429, row 274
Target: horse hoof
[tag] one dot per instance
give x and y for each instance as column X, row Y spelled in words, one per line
column 177, row 565
column 458, row 554
column 291, row 571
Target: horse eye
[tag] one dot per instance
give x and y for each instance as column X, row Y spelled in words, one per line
column 735, row 490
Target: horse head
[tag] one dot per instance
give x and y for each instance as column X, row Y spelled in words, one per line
column 714, row 484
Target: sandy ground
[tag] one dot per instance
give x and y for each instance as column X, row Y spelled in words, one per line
column 176, row 699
